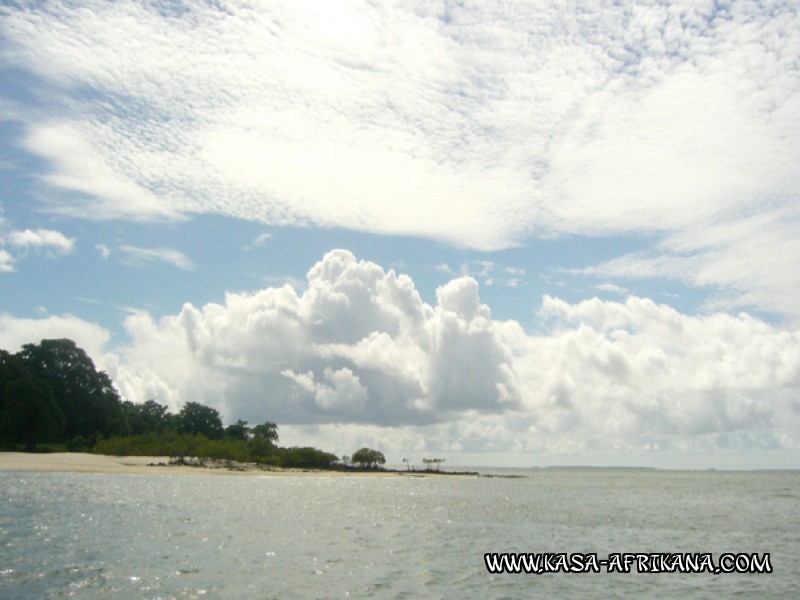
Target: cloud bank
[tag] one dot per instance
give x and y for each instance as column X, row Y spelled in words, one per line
column 358, row 355
column 481, row 124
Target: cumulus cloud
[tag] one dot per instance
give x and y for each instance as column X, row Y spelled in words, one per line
column 532, row 119
column 358, row 345
column 136, row 256
column 15, row 332
column 357, row 358
column 358, row 355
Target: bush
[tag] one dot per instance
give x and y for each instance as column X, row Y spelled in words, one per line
column 305, row 458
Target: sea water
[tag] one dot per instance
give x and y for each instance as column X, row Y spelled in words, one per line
column 70, row 535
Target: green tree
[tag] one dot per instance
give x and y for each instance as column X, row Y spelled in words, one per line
column 150, row 416
column 196, row 418
column 238, row 431
column 367, row 457
column 263, row 440
column 11, row 369
column 433, row 461
column 305, row 458
column 90, row 404
column 266, row 431
column 31, row 414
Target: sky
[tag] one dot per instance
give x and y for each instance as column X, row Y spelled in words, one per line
column 510, row 234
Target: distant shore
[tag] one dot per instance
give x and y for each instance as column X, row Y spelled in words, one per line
column 80, row 462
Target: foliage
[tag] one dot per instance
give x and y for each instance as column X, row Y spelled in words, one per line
column 433, row 461
column 51, row 392
column 266, row 431
column 367, row 457
column 176, row 445
column 90, row 404
column 31, row 413
column 263, row 440
column 147, row 417
column 304, row 458
column 11, row 369
column 238, row 431
column 198, row 418
column 183, row 445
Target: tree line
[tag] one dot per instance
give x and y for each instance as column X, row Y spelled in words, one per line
column 51, row 393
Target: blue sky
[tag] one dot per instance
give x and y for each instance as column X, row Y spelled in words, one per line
column 526, row 234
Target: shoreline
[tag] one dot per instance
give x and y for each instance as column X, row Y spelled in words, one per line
column 83, row 462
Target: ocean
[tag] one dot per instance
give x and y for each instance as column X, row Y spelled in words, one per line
column 72, row 535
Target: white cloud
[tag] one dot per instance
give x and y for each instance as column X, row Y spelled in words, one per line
column 104, row 250
column 39, row 239
column 52, row 243
column 752, row 260
column 259, row 241
column 83, row 160
column 358, row 359
column 489, row 273
column 445, row 268
column 14, row 332
column 137, row 256
column 6, row 262
column 477, row 124
column 612, row 288
column 358, row 355
column 358, row 345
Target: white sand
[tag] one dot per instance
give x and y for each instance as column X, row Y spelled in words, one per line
column 79, row 462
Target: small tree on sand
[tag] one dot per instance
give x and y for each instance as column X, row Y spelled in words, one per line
column 367, row 457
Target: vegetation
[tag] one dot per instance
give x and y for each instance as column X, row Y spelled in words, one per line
column 432, row 463
column 146, row 417
column 198, row 419
column 90, row 404
column 31, row 414
column 51, row 392
column 52, row 396
column 368, row 458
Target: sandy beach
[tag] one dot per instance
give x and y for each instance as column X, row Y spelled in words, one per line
column 79, row 462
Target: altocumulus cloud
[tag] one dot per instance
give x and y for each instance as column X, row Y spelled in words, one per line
column 360, row 356
column 679, row 120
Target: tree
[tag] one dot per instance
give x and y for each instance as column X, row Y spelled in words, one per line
column 196, row 418
column 433, row 461
column 266, row 431
column 238, row 431
column 148, row 417
column 11, row 369
column 305, row 458
column 264, row 438
column 367, row 457
column 31, row 413
column 90, row 404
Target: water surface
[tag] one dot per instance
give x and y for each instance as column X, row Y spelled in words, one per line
column 161, row 536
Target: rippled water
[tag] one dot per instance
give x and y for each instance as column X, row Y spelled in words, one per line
column 161, row 536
